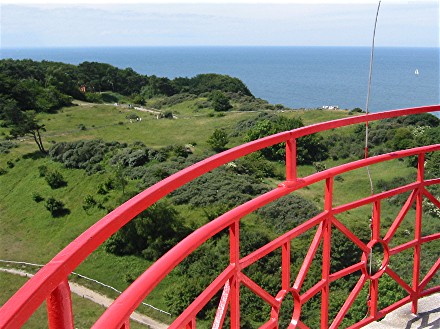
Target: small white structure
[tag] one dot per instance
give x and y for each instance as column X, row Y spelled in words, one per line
column 330, row 107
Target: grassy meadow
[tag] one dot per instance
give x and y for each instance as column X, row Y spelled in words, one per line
column 28, row 233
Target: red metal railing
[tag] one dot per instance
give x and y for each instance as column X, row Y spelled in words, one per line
column 50, row 283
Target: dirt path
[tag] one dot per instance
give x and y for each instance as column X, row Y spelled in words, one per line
column 96, row 298
column 143, row 109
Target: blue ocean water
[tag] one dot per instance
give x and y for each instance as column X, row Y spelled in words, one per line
column 298, row 77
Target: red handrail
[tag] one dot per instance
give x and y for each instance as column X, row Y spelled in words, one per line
column 50, row 280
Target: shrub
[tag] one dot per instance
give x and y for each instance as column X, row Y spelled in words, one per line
column 255, row 165
column 132, row 116
column 109, row 184
column 82, row 154
column 319, row 166
column 93, row 98
column 56, row 207
column 167, row 115
column 181, row 151
column 55, row 179
column 37, row 197
column 287, row 212
column 220, row 102
column 220, row 186
column 89, row 202
column 399, row 199
column 218, row 140
column 309, row 148
column 150, row 234
column 433, row 165
column 101, row 189
column 355, row 110
column 6, row 145
column 131, row 157
column 42, row 170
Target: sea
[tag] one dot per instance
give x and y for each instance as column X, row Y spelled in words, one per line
column 297, row 77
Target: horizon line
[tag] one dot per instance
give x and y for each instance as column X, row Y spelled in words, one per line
column 213, row 46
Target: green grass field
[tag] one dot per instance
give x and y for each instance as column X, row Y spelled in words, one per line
column 28, row 232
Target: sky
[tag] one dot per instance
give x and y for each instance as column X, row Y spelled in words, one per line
column 28, row 23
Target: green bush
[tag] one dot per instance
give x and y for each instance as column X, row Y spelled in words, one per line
column 356, row 110
column 131, row 157
column 89, row 202
column 82, row 154
column 55, row 179
column 309, row 148
column 6, row 146
column 288, row 212
column 220, row 186
column 220, row 102
column 93, row 98
column 101, row 189
column 218, row 140
column 173, row 100
column 132, row 116
column 152, row 233
column 56, row 207
column 203, row 83
column 37, row 197
column 255, row 165
column 167, row 115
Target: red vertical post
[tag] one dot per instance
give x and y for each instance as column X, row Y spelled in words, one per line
column 59, row 307
column 234, row 254
column 126, row 324
column 374, row 294
column 285, row 266
column 291, row 173
column 326, row 252
column 418, row 233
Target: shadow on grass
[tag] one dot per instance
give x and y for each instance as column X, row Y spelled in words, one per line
column 60, row 213
column 35, row 155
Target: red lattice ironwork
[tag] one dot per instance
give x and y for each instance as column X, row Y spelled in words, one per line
column 50, row 283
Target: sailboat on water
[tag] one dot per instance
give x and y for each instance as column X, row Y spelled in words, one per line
column 416, row 72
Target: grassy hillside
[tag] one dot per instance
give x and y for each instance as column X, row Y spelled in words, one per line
column 28, row 232
column 84, row 310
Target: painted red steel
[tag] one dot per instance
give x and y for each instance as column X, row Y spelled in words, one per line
column 51, row 281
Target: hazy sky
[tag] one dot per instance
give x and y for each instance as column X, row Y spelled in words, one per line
column 285, row 23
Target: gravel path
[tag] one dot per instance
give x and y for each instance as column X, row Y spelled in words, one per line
column 428, row 316
column 96, row 298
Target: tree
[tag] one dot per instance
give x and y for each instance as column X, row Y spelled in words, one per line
column 26, row 123
column 433, row 165
column 156, row 230
column 309, row 148
column 218, row 140
column 157, row 87
column 203, row 83
column 220, row 102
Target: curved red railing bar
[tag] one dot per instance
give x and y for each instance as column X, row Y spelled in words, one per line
column 51, row 281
